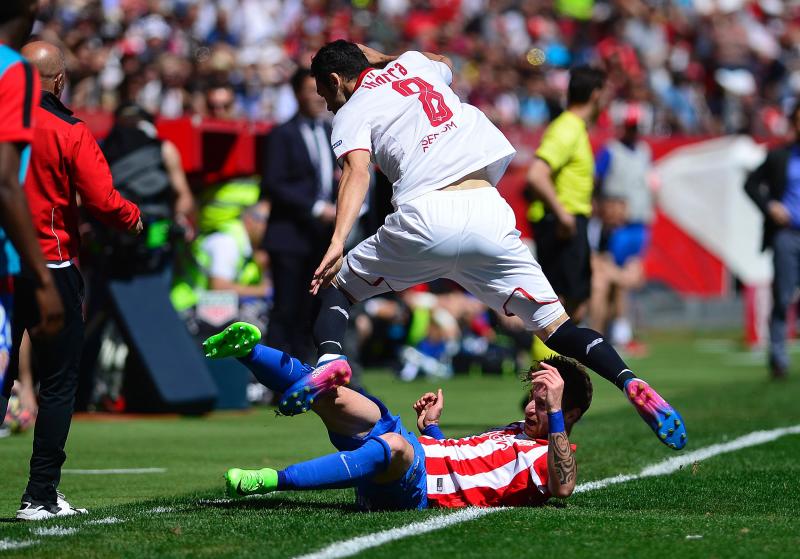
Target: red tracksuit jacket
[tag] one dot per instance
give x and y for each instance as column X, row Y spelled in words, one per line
column 66, row 162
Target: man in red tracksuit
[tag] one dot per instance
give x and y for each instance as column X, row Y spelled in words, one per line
column 66, row 162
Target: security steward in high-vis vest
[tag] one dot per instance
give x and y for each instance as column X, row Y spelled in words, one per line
column 231, row 223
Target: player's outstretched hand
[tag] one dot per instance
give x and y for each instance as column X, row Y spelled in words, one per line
column 429, row 409
column 328, row 268
column 549, row 379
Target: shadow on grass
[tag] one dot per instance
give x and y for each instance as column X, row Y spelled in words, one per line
column 274, row 503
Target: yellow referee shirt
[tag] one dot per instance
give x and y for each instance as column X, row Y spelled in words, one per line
column 566, row 149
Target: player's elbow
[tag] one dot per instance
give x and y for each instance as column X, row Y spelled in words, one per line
column 562, row 491
column 356, row 175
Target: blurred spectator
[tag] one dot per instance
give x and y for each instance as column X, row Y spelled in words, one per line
column 692, row 60
column 299, row 180
column 433, row 339
column 221, row 103
column 623, row 171
column 775, row 188
column 689, row 67
column 148, row 171
column 221, row 259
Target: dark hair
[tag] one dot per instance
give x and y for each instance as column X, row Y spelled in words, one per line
column 12, row 9
column 583, row 81
column 299, row 77
column 339, row 57
column 577, row 384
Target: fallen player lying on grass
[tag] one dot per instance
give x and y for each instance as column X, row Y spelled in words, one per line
column 524, row 463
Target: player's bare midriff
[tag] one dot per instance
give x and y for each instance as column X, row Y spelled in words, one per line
column 478, row 179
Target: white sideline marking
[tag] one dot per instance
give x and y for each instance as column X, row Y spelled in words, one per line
column 6, row 545
column 353, row 546
column 161, row 510
column 214, row 501
column 116, row 471
column 106, row 520
column 54, row 531
column 238, row 500
column 671, row 465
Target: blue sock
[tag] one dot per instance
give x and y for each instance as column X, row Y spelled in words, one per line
column 274, row 369
column 342, row 469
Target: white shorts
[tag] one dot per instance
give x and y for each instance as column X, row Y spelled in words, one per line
column 467, row 236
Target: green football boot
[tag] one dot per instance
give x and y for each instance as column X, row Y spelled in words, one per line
column 241, row 483
column 237, row 340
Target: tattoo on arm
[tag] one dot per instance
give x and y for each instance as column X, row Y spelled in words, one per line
column 563, row 460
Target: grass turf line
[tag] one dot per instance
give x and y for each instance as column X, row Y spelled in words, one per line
column 348, row 548
column 716, row 401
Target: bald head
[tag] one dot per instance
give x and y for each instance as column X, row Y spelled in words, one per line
column 49, row 61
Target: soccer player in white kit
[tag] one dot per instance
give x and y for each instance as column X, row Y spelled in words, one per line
column 444, row 159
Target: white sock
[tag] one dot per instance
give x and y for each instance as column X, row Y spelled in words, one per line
column 328, row 357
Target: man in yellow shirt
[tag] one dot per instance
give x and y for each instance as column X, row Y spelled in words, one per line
column 562, row 179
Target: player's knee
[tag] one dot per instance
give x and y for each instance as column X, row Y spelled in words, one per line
column 397, row 444
column 401, row 456
column 401, row 449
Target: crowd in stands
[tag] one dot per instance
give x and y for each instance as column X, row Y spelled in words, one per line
column 692, row 67
column 688, row 66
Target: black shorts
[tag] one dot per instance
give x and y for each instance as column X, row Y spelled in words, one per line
column 566, row 263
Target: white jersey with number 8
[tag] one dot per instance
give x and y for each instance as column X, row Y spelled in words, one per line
column 416, row 128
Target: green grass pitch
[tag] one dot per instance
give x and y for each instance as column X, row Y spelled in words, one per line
column 741, row 504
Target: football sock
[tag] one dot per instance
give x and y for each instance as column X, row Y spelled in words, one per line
column 589, row 348
column 274, row 369
column 331, row 323
column 341, row 469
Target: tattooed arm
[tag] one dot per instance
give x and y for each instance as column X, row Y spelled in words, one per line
column 561, row 466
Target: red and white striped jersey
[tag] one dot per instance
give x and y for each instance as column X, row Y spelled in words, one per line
column 502, row 467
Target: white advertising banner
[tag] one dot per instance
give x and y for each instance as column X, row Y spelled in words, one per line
column 702, row 191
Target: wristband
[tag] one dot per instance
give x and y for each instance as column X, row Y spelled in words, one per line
column 433, row 430
column 556, row 422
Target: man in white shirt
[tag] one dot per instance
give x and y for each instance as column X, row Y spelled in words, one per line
column 444, row 159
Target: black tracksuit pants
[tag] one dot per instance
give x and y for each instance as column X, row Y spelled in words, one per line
column 56, row 367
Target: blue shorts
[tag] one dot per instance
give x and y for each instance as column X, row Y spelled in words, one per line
column 627, row 242
column 408, row 493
